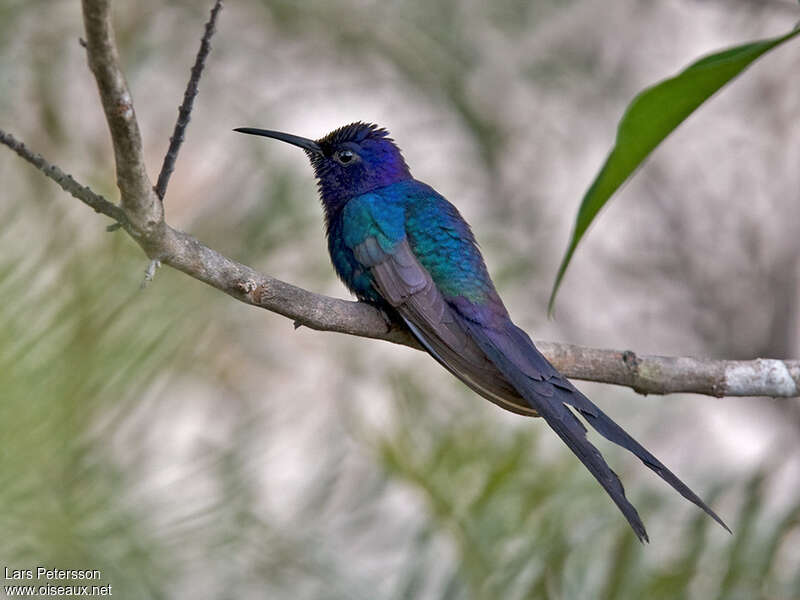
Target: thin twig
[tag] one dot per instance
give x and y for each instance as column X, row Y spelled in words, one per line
column 185, row 109
column 65, row 180
column 150, row 273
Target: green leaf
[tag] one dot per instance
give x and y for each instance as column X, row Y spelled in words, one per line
column 651, row 117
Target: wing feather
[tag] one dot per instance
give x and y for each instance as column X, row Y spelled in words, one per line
column 409, row 288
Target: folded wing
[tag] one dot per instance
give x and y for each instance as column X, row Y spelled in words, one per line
column 409, row 288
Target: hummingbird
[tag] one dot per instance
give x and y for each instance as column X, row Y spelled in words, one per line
column 399, row 245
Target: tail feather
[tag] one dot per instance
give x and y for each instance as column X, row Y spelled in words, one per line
column 610, row 430
column 564, row 423
column 606, row 427
column 547, row 392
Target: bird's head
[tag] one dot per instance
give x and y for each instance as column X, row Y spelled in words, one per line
column 352, row 160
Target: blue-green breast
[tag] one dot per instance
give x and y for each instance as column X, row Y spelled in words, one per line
column 369, row 215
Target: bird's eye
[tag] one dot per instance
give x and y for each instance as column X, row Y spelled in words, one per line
column 344, row 157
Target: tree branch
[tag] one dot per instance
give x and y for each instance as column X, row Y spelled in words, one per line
column 65, row 180
column 138, row 198
column 648, row 374
column 142, row 216
column 185, row 109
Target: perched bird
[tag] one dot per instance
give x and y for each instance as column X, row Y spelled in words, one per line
column 400, row 245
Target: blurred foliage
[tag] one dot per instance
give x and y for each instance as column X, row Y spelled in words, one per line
column 74, row 359
column 433, row 58
column 190, row 447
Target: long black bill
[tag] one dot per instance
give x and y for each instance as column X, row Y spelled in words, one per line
column 295, row 140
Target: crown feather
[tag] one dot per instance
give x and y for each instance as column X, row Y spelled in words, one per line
column 354, row 132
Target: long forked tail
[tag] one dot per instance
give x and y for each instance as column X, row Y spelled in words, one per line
column 606, row 427
column 547, row 392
